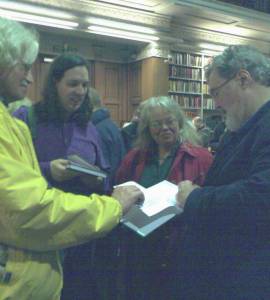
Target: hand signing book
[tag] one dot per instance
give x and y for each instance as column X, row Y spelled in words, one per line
column 185, row 188
column 127, row 196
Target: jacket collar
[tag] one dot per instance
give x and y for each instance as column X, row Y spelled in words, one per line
column 100, row 115
column 188, row 149
column 262, row 111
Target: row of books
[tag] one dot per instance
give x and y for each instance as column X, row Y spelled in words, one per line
column 186, row 59
column 208, row 103
column 205, row 88
column 185, row 72
column 185, row 86
column 188, row 102
column 191, row 114
column 194, row 102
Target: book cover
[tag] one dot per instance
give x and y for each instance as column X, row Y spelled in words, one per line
column 78, row 164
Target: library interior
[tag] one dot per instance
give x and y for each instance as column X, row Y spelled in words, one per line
column 135, row 162
column 143, row 48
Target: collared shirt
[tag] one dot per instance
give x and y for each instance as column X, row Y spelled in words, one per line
column 154, row 171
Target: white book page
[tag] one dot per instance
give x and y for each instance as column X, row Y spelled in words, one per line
column 134, row 184
column 157, row 197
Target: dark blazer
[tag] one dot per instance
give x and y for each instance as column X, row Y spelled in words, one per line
column 226, row 253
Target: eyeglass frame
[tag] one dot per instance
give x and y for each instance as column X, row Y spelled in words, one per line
column 158, row 124
column 215, row 91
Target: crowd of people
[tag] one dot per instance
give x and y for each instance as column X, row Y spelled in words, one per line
column 51, row 216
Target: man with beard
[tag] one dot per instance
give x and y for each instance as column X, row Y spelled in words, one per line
column 225, row 254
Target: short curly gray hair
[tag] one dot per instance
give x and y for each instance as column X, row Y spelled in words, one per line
column 186, row 132
column 238, row 57
column 17, row 43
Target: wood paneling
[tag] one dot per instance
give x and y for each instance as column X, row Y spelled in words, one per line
column 134, row 88
column 39, row 71
column 154, row 77
column 146, row 78
column 111, row 83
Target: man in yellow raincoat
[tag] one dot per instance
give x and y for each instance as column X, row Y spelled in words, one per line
column 36, row 221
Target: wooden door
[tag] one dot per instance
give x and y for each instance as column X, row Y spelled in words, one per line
column 111, row 83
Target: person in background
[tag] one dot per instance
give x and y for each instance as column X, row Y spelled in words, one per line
column 111, row 140
column 129, row 131
column 225, row 251
column 165, row 149
column 218, row 133
column 38, row 220
column 60, row 126
column 203, row 131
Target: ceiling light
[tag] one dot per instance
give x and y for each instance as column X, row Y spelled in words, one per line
column 15, row 6
column 122, row 34
column 210, row 52
column 48, row 59
column 121, row 25
column 40, row 20
column 214, row 47
column 134, row 4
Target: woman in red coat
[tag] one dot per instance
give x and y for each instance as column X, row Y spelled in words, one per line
column 166, row 149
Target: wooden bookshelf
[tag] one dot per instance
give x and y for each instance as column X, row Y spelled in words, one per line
column 187, row 85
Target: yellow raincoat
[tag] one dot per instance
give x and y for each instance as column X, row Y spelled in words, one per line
column 37, row 221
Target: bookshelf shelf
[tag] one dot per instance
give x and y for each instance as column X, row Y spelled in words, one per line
column 186, row 66
column 184, row 93
column 187, row 85
column 183, row 78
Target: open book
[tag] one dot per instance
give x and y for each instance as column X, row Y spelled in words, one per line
column 78, row 164
column 159, row 206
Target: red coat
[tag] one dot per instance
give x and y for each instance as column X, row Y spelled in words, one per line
column 190, row 163
column 150, row 261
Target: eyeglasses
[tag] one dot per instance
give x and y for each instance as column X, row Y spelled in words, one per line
column 215, row 91
column 171, row 122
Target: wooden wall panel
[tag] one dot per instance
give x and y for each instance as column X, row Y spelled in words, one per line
column 39, row 71
column 134, row 87
column 146, row 78
column 154, row 77
column 111, row 83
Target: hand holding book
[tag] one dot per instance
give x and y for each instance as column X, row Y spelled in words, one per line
column 78, row 164
column 59, row 170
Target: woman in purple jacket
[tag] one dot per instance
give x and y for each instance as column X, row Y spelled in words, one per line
column 60, row 126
